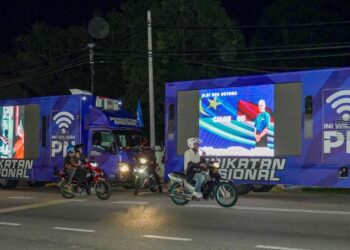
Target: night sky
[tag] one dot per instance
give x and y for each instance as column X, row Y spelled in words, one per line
column 17, row 16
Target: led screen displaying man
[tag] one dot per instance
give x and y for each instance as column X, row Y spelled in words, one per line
column 237, row 121
column 12, row 132
column 261, row 125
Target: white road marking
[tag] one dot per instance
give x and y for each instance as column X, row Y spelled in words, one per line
column 294, row 210
column 165, row 238
column 74, row 229
column 80, row 200
column 272, row 209
column 130, row 202
column 9, row 224
column 278, row 248
column 31, row 206
column 22, row 197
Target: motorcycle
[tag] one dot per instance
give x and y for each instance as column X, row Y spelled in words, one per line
column 94, row 183
column 224, row 191
column 144, row 178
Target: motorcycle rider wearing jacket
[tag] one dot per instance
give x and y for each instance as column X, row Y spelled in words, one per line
column 193, row 166
column 70, row 166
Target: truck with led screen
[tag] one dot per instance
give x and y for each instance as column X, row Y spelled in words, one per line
column 35, row 132
column 284, row 128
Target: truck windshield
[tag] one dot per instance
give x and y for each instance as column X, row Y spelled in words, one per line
column 131, row 139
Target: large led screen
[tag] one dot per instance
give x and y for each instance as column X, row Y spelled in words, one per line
column 237, row 121
column 12, row 136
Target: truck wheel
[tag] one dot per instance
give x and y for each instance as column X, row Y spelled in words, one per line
column 244, row 189
column 262, row 188
column 129, row 186
column 8, row 184
column 36, row 183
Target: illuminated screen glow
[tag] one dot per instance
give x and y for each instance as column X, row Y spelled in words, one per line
column 237, row 121
column 12, row 134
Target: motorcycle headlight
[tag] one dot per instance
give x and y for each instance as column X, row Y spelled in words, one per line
column 140, row 170
column 124, row 167
column 143, row 160
column 216, row 165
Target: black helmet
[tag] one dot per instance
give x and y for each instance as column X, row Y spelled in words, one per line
column 76, row 147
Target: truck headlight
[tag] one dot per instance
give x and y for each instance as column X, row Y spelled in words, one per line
column 124, row 167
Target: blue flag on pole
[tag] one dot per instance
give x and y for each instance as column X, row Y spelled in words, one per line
column 139, row 114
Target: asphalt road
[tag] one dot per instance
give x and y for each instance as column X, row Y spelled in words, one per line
column 40, row 219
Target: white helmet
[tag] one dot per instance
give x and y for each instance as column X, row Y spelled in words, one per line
column 192, row 141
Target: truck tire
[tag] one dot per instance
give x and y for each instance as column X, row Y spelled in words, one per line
column 129, row 186
column 244, row 189
column 36, row 183
column 262, row 188
column 8, row 184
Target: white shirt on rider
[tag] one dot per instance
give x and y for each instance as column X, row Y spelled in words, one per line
column 191, row 156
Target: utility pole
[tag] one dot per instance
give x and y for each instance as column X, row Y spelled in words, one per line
column 91, row 47
column 150, row 84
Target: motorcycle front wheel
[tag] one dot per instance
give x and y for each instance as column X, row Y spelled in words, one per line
column 226, row 195
column 177, row 190
column 103, row 190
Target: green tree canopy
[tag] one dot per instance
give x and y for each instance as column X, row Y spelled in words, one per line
column 179, row 53
column 292, row 13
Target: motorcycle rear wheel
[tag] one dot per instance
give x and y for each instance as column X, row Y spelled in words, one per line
column 226, row 201
column 103, row 190
column 174, row 192
column 64, row 192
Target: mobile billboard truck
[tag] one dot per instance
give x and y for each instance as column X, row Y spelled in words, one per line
column 286, row 128
column 35, row 133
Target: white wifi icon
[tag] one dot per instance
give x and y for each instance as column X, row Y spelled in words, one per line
column 63, row 120
column 340, row 101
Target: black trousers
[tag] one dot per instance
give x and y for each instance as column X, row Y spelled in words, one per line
column 156, row 176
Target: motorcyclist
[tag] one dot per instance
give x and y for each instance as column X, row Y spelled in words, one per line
column 79, row 149
column 193, row 166
column 70, row 166
column 152, row 167
column 80, row 158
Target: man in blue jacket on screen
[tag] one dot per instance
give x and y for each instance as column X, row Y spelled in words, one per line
column 261, row 125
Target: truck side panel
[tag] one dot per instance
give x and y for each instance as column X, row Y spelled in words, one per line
column 325, row 150
column 59, row 124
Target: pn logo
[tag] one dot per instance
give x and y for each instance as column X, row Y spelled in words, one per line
column 340, row 101
column 63, row 120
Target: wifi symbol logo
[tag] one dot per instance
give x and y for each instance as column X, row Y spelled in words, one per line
column 63, row 120
column 340, row 101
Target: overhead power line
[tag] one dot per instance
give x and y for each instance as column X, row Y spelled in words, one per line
column 241, row 52
column 42, row 62
column 258, row 50
column 40, row 73
column 264, row 26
